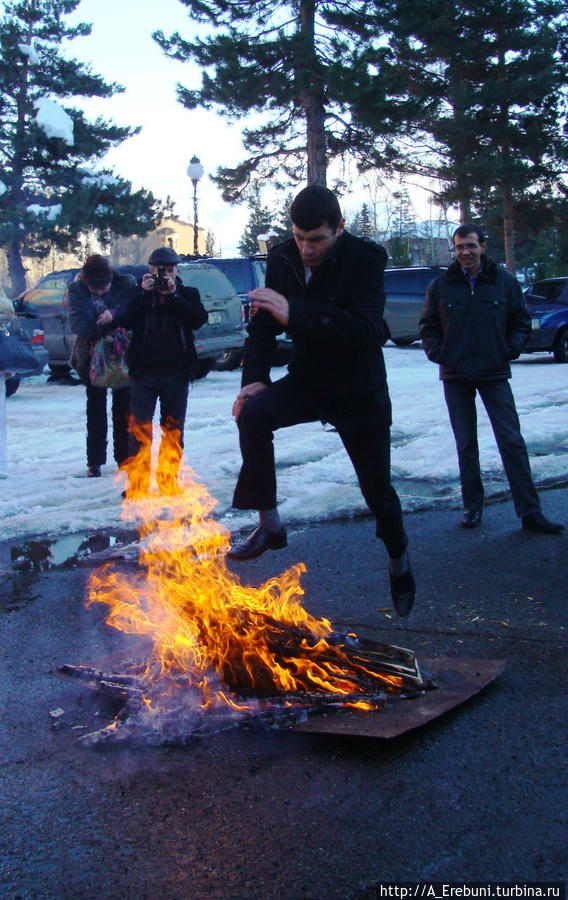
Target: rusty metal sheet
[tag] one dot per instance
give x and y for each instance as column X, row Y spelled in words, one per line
column 457, row 680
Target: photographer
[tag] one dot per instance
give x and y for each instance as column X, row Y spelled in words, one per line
column 162, row 315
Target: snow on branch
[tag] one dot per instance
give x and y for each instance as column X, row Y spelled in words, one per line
column 54, row 121
column 30, row 51
column 50, row 212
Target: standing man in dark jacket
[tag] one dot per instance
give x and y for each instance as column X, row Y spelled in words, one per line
column 97, row 288
column 474, row 322
column 162, row 315
column 325, row 287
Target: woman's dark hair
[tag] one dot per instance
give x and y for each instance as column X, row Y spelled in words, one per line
column 469, row 228
column 96, row 271
column 315, row 206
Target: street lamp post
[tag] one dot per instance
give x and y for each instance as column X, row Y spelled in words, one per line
column 195, row 171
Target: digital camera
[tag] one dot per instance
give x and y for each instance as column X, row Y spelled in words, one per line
column 161, row 281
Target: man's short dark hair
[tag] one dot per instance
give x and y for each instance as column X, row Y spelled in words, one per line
column 466, row 229
column 315, row 206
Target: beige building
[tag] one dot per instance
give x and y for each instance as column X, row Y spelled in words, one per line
column 171, row 232
column 133, row 250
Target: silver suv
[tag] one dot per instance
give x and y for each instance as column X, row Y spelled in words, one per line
column 224, row 331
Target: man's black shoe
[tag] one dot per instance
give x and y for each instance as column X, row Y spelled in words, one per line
column 538, row 522
column 403, row 591
column 259, row 541
column 93, row 471
column 471, row 518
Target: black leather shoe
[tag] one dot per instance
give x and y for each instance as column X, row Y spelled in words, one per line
column 259, row 541
column 538, row 522
column 403, row 591
column 471, row 518
column 93, row 471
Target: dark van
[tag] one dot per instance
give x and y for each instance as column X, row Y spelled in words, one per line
column 405, row 290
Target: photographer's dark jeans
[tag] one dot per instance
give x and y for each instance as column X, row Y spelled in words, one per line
column 97, row 425
column 145, row 392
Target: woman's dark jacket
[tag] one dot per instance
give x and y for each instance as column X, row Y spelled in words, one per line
column 473, row 333
column 84, row 310
column 162, row 329
column 336, row 325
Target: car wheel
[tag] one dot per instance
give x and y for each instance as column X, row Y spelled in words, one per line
column 229, row 360
column 12, row 385
column 560, row 347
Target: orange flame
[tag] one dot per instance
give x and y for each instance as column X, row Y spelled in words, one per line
column 205, row 625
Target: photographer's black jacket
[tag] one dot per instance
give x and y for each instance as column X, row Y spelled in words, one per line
column 336, row 324
column 162, row 327
column 473, row 333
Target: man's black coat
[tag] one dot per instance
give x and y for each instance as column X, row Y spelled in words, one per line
column 336, row 325
column 473, row 333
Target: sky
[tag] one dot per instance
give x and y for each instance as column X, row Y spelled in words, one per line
column 47, row 493
column 121, row 49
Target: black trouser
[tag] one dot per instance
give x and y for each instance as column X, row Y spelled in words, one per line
column 286, row 403
column 499, row 402
column 145, row 391
column 97, row 426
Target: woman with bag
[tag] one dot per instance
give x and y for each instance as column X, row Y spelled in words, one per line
column 97, row 288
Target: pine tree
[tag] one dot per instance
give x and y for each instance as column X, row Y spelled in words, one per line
column 354, row 226
column 260, row 222
column 367, row 230
column 302, row 65
column 491, row 79
column 282, row 226
column 49, row 188
column 210, row 243
column 404, row 229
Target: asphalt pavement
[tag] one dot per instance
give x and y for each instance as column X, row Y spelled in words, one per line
column 248, row 814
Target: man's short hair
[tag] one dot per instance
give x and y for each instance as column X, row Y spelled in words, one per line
column 466, row 229
column 315, row 206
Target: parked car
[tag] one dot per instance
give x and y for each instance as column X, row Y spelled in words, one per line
column 405, row 290
column 245, row 274
column 35, row 334
column 224, row 332
column 405, row 293
column 547, row 302
column 45, row 304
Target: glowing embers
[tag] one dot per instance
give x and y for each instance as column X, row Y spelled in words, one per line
column 163, row 708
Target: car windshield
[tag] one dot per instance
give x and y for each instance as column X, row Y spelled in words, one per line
column 210, row 282
column 555, row 292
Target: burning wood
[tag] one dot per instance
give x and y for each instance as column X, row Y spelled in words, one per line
column 373, row 666
column 223, row 646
